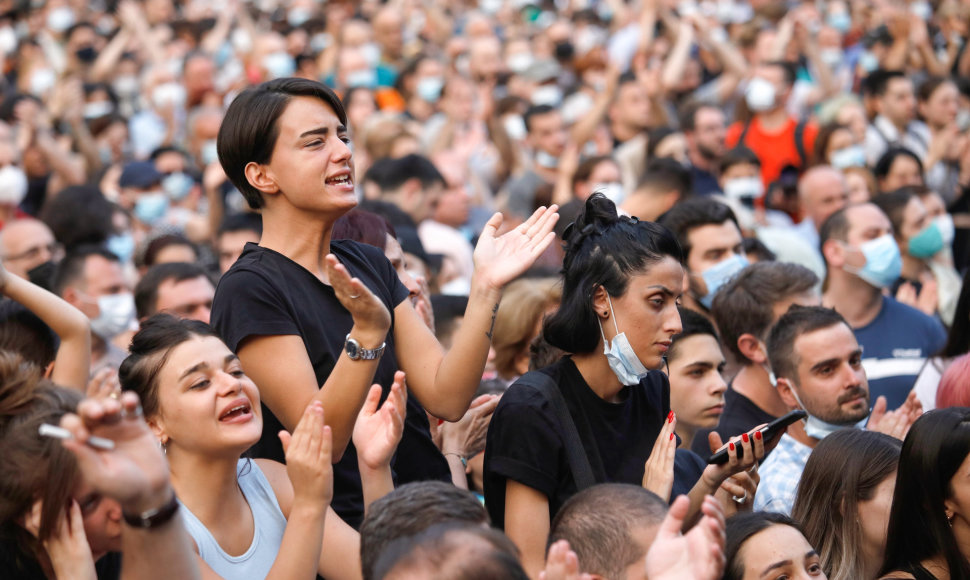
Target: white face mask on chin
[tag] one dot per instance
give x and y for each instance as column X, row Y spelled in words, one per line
column 622, row 358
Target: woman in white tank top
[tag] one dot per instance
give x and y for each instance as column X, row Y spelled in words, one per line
column 252, row 518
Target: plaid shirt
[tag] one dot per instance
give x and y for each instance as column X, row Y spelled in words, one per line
column 780, row 475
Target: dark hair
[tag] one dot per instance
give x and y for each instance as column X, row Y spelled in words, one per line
column 844, row 469
column 694, row 213
column 394, row 173
column 146, row 291
column 877, row 83
column 881, row 169
column 835, row 227
column 737, row 156
column 452, row 552
column 534, row 111
column 929, row 86
column 935, row 447
column 655, row 136
column 156, row 246
column 757, row 251
column 664, row 174
column 586, row 167
column 149, row 351
column 71, row 268
column 250, row 127
column 352, row 91
column 740, row 529
column 692, row 324
column 958, row 339
column 745, row 304
column 32, row 467
column 797, row 321
column 411, row 509
column 602, row 249
column 687, row 116
column 599, row 521
column 893, row 204
column 822, row 141
column 241, row 222
column 22, row 332
column 788, row 69
column 364, row 227
column 79, row 214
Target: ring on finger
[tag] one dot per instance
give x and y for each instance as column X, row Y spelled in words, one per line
column 355, row 296
column 742, row 499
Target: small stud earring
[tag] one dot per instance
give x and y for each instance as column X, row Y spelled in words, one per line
column 949, row 518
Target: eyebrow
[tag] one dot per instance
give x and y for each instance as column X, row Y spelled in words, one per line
column 856, row 353
column 662, row 288
column 701, row 364
column 776, row 565
column 324, row 131
column 203, row 365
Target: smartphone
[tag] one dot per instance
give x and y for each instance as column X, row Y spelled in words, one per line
column 767, row 433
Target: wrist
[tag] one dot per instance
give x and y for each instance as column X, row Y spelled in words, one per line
column 711, row 479
column 368, row 338
column 151, row 512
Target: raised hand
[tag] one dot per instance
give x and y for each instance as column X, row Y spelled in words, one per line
column 135, row 472
column 699, row 555
column 369, row 313
column 658, row 472
column 104, row 384
column 308, row 452
column 754, row 448
column 562, row 564
column 895, row 423
column 377, row 432
column 466, row 437
column 501, row 259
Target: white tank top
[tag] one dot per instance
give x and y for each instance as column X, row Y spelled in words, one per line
column 269, row 524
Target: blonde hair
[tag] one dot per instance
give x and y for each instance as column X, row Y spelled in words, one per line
column 517, row 321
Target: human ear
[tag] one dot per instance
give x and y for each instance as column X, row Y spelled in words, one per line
column 750, row 347
column 601, row 303
column 157, row 425
column 787, row 394
column 260, row 177
column 833, row 253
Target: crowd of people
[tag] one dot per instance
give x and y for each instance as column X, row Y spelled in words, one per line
column 550, row 289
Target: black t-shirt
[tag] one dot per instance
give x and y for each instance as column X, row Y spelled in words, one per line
column 15, row 565
column 266, row 293
column 525, row 438
column 740, row 416
column 688, row 467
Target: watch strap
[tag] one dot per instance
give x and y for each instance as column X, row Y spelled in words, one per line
column 153, row 517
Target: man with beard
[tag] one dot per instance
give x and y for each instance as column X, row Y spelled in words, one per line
column 704, row 127
column 817, row 363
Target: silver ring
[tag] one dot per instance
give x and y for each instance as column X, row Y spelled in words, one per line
column 741, row 499
column 355, row 296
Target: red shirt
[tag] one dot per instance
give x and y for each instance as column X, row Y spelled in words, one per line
column 775, row 149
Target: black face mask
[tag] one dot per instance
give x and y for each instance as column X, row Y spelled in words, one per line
column 43, row 275
column 86, row 54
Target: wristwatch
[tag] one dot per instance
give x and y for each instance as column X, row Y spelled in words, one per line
column 357, row 352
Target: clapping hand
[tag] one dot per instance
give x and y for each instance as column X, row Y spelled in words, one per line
column 378, row 431
column 369, row 313
column 501, row 259
column 658, row 472
column 698, row 555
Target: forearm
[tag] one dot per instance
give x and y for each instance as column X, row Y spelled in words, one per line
column 161, row 551
column 73, row 360
column 342, row 396
column 376, row 483
column 299, row 552
column 61, row 162
column 457, row 468
column 897, row 55
column 460, row 370
column 676, row 62
column 86, row 145
column 108, row 58
column 444, row 138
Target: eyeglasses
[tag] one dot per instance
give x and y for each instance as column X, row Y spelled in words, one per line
column 54, row 250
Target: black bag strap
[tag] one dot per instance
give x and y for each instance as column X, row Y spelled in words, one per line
column 744, row 131
column 579, row 463
column 800, row 143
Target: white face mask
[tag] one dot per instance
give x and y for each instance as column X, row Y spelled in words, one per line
column 851, row 156
column 41, row 81
column 117, row 314
column 613, row 191
column 744, row 188
column 946, row 227
column 547, row 95
column 760, row 95
column 514, row 127
column 168, row 95
column 519, row 62
column 622, row 359
column 546, row 160
column 13, row 185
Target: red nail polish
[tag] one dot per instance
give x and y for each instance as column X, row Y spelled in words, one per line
column 731, row 446
column 744, row 437
column 671, row 436
column 757, row 435
column 670, row 417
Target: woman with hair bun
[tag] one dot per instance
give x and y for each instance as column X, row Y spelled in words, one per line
column 622, row 281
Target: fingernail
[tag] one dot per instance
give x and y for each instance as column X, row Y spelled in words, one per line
column 744, row 437
column 757, row 435
column 670, row 417
column 671, row 436
column 731, row 446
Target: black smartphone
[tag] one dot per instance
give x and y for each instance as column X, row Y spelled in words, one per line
column 767, row 434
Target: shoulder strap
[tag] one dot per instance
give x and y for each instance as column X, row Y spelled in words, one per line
column 744, row 132
column 579, row 463
column 800, row 143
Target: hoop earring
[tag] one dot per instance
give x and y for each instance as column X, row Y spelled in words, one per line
column 949, row 517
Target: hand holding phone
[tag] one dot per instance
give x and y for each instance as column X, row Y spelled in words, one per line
column 767, row 433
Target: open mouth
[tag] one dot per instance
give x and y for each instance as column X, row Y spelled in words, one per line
column 237, row 412
column 340, row 180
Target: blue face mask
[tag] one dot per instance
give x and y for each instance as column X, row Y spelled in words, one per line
column 177, row 186
column 840, row 21
column 927, row 243
column 429, row 89
column 819, row 429
column 151, row 207
column 623, row 360
column 279, row 65
column 121, row 245
column 883, row 262
column 851, row 156
column 718, row 274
